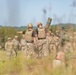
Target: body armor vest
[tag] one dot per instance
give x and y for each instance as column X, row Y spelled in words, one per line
column 41, row 33
column 28, row 36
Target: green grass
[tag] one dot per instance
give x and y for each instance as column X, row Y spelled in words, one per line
column 22, row 66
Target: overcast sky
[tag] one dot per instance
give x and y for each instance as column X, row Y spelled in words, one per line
column 22, row 12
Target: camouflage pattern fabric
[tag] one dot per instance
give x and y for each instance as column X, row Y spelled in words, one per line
column 9, row 48
column 43, row 47
column 16, row 46
column 23, row 44
column 29, row 50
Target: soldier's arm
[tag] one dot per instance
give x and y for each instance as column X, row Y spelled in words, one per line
column 36, row 31
column 34, row 36
column 34, row 39
column 19, row 32
column 48, row 23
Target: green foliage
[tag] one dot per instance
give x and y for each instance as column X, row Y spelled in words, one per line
column 52, row 28
column 6, row 32
column 23, row 66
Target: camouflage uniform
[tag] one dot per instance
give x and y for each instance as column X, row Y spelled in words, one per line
column 43, row 47
column 49, row 38
column 42, row 41
column 51, row 44
column 9, row 48
column 30, row 50
column 57, row 43
column 67, row 44
column 68, row 47
column 16, row 44
column 29, row 34
column 23, row 43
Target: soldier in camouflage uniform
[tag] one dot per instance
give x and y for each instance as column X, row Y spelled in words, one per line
column 51, row 42
column 16, row 43
column 30, row 40
column 57, row 33
column 9, row 48
column 42, row 42
column 57, row 42
column 29, row 37
column 49, row 38
column 23, row 43
column 68, row 48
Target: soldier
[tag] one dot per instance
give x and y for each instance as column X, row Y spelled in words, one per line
column 48, row 37
column 57, row 33
column 42, row 42
column 16, row 43
column 57, row 42
column 23, row 43
column 68, row 48
column 30, row 40
column 51, row 43
column 9, row 47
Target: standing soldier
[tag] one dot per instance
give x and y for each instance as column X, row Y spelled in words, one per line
column 68, row 48
column 9, row 48
column 67, row 44
column 48, row 37
column 42, row 42
column 23, row 43
column 15, row 42
column 51, row 43
column 29, row 37
column 57, row 43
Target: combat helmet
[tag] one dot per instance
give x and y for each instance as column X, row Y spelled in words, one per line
column 39, row 23
column 30, row 25
column 8, row 38
column 15, row 36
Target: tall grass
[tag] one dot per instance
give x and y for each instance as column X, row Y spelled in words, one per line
column 22, row 66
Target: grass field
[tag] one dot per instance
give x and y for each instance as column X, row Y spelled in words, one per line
column 22, row 66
